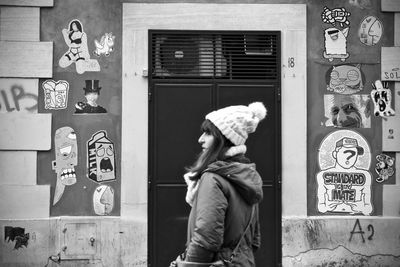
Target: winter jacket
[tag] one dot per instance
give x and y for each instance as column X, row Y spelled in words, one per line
column 221, row 211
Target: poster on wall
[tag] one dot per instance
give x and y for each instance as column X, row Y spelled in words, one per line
column 344, row 181
column 347, row 111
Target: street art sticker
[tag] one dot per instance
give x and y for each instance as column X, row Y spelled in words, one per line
column 105, row 46
column 16, row 234
column 370, row 31
column 66, row 149
column 336, row 15
column 55, row 94
column 382, row 99
column 345, row 79
column 384, row 167
column 347, row 111
column 78, row 52
column 18, row 95
column 336, row 44
column 101, row 160
column 92, row 93
column 344, row 182
column 103, row 200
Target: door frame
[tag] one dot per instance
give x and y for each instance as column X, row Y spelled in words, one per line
column 138, row 18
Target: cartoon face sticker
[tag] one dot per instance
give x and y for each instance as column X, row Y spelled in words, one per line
column 384, row 167
column 101, row 159
column 55, row 94
column 346, row 152
column 336, row 44
column 344, row 182
column 370, row 31
column 103, row 200
column 335, row 15
column 345, row 79
column 66, row 151
column 382, row 98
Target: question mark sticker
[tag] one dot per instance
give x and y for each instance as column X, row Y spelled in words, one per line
column 351, row 152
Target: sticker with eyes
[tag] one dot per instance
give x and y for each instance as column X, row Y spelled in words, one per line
column 66, row 149
column 101, row 159
column 345, row 79
column 382, row 98
column 347, row 111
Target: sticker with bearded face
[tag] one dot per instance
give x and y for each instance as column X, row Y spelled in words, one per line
column 66, row 151
column 101, row 160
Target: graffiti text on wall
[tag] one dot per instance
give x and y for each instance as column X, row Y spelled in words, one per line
column 15, row 98
column 357, row 230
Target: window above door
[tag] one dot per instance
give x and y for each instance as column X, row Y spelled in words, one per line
column 226, row 55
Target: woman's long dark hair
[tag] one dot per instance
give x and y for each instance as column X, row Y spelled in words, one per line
column 215, row 152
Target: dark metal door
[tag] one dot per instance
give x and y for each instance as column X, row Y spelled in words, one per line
column 176, row 110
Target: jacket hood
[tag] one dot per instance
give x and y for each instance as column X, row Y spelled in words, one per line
column 243, row 176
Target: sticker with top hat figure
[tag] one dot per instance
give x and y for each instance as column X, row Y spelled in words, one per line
column 344, row 182
column 92, row 93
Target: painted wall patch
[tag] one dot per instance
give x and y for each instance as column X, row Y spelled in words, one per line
column 66, row 150
column 344, row 182
column 101, row 160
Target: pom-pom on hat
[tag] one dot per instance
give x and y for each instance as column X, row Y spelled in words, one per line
column 236, row 122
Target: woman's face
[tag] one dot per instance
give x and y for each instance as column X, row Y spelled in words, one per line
column 92, row 97
column 206, row 140
column 74, row 27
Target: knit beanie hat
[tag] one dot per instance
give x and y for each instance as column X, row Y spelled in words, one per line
column 236, row 122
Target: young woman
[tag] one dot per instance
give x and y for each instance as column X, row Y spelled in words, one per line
column 224, row 189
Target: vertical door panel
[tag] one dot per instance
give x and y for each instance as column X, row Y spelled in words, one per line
column 179, row 112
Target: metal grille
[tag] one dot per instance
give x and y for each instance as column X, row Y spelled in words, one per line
column 218, row 55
